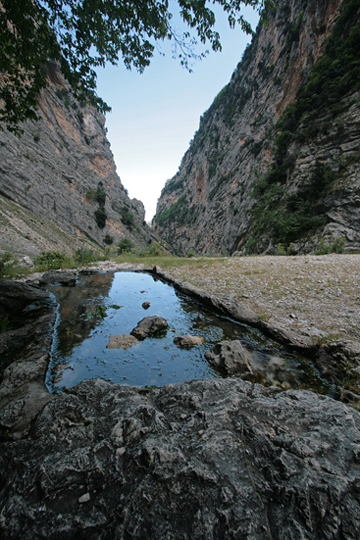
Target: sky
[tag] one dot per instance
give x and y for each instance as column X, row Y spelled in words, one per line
column 155, row 114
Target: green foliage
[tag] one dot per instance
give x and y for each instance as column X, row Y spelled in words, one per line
column 98, row 196
column 79, row 36
column 4, row 325
column 179, row 212
column 108, row 239
column 7, row 262
column 127, row 218
column 336, row 247
column 125, row 245
column 85, row 256
column 100, row 217
column 157, row 249
column 51, row 260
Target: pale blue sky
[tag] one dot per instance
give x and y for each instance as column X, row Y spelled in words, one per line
column 155, row 114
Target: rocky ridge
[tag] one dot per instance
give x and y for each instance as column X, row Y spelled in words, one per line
column 61, row 170
column 242, row 187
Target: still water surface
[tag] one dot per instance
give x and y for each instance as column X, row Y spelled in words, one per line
column 111, row 303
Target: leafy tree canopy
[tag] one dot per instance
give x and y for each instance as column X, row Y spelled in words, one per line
column 80, row 35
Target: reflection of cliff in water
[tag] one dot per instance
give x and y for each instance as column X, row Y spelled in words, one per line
column 81, row 308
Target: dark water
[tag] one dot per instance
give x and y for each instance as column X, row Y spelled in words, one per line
column 108, row 303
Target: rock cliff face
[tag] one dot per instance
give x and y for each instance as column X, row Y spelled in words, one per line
column 62, row 170
column 276, row 157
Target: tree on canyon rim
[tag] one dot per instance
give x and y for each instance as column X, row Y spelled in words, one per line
column 80, row 35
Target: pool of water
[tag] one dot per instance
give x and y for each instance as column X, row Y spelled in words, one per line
column 111, row 303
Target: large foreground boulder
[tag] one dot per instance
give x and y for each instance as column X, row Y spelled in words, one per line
column 213, row 459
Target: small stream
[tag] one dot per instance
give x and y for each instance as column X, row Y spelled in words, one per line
column 111, row 303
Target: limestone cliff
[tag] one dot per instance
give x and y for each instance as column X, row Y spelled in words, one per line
column 276, row 157
column 62, row 170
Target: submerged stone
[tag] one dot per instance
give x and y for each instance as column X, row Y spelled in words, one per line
column 121, row 341
column 187, row 341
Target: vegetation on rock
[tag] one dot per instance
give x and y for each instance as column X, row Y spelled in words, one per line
column 284, row 214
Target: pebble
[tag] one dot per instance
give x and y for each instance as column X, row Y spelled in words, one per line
column 84, row 498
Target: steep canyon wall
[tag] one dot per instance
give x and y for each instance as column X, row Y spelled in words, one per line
column 62, row 172
column 276, row 157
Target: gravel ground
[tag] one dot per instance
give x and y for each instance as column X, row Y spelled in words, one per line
column 317, row 295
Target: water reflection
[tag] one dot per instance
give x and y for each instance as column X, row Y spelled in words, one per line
column 107, row 303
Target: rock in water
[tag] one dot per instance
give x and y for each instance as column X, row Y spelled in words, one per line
column 230, row 357
column 213, row 459
column 121, row 341
column 149, row 326
column 187, row 341
column 58, row 276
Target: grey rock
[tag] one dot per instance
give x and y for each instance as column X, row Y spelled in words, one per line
column 214, row 459
column 334, row 359
column 149, row 326
column 121, row 341
column 229, row 357
column 188, row 341
column 27, row 261
column 62, row 277
column 14, row 296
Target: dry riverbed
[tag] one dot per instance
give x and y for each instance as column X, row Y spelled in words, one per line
column 317, row 295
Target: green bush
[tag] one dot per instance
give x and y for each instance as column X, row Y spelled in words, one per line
column 108, row 239
column 100, row 217
column 51, row 260
column 7, row 262
column 125, row 245
column 86, row 256
column 336, row 247
column 127, row 218
column 155, row 250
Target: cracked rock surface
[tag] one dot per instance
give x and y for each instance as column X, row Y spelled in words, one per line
column 214, row 459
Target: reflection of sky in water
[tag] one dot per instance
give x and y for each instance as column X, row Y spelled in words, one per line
column 85, row 326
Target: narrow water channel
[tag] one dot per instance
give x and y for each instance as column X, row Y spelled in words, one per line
column 104, row 304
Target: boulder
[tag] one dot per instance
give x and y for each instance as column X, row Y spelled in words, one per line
column 15, row 296
column 213, row 459
column 185, row 342
column 58, row 276
column 334, row 359
column 121, row 341
column 230, row 357
column 149, row 326
column 145, row 305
